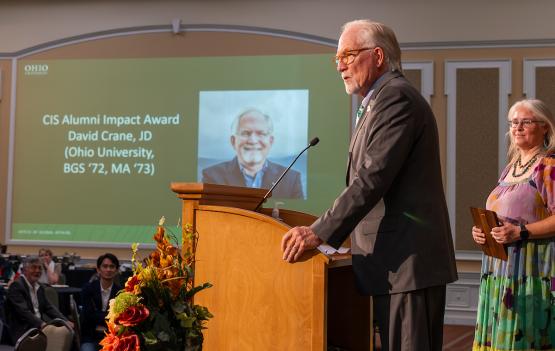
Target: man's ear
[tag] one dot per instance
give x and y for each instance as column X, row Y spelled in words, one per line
column 271, row 140
column 232, row 141
column 380, row 56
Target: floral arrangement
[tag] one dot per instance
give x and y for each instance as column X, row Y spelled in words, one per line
column 155, row 310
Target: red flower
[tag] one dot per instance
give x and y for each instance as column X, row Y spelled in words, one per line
column 132, row 316
column 125, row 342
column 131, row 282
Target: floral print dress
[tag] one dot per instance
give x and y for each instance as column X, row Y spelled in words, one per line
column 516, row 305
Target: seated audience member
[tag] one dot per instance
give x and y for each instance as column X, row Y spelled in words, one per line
column 95, row 296
column 6, row 269
column 49, row 274
column 4, row 337
column 26, row 304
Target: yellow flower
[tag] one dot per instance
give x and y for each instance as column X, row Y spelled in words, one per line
column 166, row 261
column 111, row 314
column 146, row 274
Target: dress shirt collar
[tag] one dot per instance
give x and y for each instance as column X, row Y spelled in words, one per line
column 105, row 294
column 256, row 180
column 33, row 288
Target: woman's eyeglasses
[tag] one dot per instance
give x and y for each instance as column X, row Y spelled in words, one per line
column 526, row 123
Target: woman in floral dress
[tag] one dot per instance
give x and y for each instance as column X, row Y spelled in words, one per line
column 516, row 304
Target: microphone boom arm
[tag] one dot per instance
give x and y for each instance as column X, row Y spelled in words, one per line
column 312, row 143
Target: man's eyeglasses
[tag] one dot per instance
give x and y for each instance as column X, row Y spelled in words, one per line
column 526, row 123
column 348, row 57
column 34, row 267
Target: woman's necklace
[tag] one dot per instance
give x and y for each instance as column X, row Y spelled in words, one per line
column 523, row 167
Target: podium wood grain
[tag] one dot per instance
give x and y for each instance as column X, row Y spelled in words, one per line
column 263, row 302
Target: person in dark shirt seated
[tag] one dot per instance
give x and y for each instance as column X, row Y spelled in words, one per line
column 95, row 297
column 26, row 304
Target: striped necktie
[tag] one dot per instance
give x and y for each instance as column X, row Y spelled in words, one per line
column 360, row 112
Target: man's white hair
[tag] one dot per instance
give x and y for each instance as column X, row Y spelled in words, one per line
column 372, row 34
column 251, row 112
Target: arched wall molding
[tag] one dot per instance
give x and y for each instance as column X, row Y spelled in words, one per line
column 272, row 32
column 486, row 44
column 168, row 28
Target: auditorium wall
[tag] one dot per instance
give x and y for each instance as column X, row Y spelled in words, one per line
column 469, row 59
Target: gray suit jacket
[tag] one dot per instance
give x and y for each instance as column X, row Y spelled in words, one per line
column 20, row 310
column 394, row 206
column 229, row 173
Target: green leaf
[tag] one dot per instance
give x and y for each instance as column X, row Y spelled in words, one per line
column 202, row 312
column 196, row 289
column 188, row 322
column 185, row 320
column 150, row 338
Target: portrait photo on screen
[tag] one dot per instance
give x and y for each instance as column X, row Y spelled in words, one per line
column 249, row 137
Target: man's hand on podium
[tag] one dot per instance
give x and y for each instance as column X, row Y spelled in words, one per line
column 298, row 240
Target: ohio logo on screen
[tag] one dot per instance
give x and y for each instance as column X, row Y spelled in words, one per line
column 36, row 69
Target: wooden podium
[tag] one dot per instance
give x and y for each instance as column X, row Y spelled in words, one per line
column 259, row 301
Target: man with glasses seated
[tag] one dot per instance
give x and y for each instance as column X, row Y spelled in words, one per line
column 26, row 304
column 96, row 296
column 252, row 138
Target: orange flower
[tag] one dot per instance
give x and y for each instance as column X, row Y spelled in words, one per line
column 124, row 342
column 159, row 236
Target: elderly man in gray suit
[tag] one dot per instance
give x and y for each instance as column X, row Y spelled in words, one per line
column 393, row 206
column 26, row 304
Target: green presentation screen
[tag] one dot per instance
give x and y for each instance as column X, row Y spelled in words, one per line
column 96, row 143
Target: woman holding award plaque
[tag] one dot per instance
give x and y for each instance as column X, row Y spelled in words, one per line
column 516, row 303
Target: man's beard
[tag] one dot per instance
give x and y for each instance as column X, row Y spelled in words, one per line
column 351, row 88
column 253, row 157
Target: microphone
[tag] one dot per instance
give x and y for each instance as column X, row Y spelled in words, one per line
column 313, row 142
